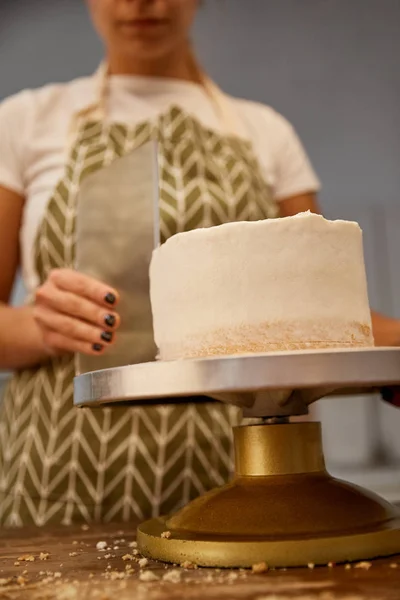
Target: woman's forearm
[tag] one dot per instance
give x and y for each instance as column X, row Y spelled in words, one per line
column 21, row 343
column 386, row 330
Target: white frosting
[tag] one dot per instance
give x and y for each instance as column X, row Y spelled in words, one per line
column 291, row 283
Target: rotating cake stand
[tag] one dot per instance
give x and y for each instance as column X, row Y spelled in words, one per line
column 281, row 507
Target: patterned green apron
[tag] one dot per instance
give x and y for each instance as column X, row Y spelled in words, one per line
column 59, row 464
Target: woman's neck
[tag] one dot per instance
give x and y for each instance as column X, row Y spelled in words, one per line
column 180, row 65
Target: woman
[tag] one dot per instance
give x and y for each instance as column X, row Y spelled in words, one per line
column 58, row 464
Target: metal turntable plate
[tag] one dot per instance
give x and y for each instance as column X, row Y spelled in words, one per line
column 195, row 380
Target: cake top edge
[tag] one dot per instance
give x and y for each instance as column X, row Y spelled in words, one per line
column 306, row 216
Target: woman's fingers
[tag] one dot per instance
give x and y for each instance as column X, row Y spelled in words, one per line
column 71, row 303
column 72, row 328
column 61, row 344
column 84, row 286
column 76, row 306
column 76, row 313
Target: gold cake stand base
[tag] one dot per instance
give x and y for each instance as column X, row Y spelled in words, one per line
column 282, row 508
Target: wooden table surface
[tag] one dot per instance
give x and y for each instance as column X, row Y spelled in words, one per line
column 76, row 570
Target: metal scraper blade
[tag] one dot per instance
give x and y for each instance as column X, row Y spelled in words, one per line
column 156, row 196
column 117, row 230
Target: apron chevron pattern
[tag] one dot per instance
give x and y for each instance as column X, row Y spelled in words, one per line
column 62, row 465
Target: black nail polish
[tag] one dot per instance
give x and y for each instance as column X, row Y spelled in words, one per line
column 97, row 347
column 106, row 336
column 109, row 320
column 110, row 298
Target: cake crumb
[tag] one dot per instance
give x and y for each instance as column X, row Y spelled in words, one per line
column 26, row 558
column 117, row 575
column 44, row 555
column 311, row 566
column 101, row 545
column 261, row 567
column 166, row 535
column 348, row 567
column 143, row 562
column 173, row 576
column 363, row 565
column 132, row 544
column 148, row 576
column 73, row 554
column 107, row 556
column 4, row 581
column 331, row 565
column 85, row 527
column 21, row 581
column 17, row 563
column 128, row 557
column 188, row 565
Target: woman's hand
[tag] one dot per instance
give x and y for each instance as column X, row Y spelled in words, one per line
column 75, row 313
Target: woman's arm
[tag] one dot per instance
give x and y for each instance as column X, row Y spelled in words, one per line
column 297, row 204
column 386, row 330
column 72, row 312
column 21, row 343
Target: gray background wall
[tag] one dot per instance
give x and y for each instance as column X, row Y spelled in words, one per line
column 332, row 68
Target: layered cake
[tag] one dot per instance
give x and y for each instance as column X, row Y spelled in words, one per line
column 253, row 287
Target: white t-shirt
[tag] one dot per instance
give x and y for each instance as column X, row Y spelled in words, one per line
column 34, row 127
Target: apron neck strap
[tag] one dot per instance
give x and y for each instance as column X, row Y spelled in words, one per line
column 232, row 125
column 97, row 109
